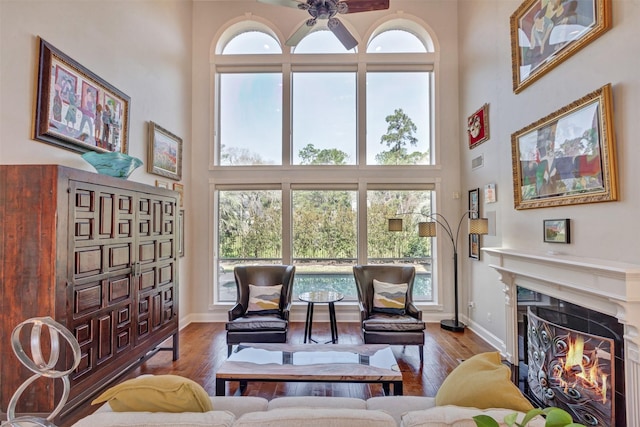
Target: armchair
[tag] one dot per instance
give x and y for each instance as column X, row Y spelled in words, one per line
column 403, row 327
column 260, row 326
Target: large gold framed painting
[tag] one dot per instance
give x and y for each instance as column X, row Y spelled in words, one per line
column 567, row 157
column 546, row 32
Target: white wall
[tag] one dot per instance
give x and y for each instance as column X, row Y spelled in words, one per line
column 600, row 230
column 141, row 47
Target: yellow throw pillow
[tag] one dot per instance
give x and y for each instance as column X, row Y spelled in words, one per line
column 482, row 382
column 157, row 393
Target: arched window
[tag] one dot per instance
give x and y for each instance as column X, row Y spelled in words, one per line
column 252, row 42
column 315, row 146
column 320, row 41
column 396, row 41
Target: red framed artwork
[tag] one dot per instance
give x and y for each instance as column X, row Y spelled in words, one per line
column 478, row 126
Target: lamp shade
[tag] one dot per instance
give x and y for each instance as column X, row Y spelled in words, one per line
column 395, row 224
column 427, row 229
column 479, row 226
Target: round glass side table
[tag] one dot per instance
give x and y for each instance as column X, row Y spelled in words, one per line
column 321, row 297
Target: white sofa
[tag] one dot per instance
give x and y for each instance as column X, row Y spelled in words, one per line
column 312, row 411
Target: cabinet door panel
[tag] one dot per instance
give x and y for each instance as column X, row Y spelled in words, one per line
column 87, row 299
column 119, row 289
column 105, row 338
column 88, row 261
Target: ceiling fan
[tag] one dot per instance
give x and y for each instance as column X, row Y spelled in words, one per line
column 328, row 9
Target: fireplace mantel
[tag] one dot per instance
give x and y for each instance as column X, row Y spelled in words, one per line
column 609, row 287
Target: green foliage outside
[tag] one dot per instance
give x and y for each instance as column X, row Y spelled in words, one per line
column 400, row 135
column 325, row 221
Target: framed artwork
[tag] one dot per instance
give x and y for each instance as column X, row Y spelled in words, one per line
column 474, row 208
column 546, row 32
column 567, row 157
column 180, row 189
column 165, row 153
column 77, row 110
column 490, row 194
column 556, row 230
column 478, row 126
column 162, row 184
column 181, row 233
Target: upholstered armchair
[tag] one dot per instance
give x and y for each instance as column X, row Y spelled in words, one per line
column 261, row 312
column 387, row 312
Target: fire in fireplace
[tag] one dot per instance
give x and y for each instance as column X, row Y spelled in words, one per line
column 569, row 357
column 571, row 370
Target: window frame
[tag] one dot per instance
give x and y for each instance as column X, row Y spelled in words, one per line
column 361, row 174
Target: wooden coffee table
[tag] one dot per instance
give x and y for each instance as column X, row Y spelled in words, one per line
column 370, row 363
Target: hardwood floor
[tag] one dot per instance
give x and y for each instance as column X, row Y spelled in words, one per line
column 203, row 348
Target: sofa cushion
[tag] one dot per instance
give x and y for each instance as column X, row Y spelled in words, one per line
column 482, row 381
column 316, row 417
column 317, row 402
column 157, row 393
column 397, row 406
column 151, row 419
column 456, row 416
column 264, row 299
column 239, row 405
column 389, row 297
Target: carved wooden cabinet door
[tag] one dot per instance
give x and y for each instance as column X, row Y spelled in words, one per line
column 102, row 272
column 157, row 264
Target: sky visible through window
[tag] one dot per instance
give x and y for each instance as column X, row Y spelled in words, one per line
column 324, row 109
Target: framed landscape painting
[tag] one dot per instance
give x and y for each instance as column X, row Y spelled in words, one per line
column 546, row 32
column 165, row 153
column 568, row 157
column 557, row 230
column 76, row 109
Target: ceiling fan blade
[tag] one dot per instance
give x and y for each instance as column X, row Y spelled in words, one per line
column 300, row 33
column 285, row 3
column 355, row 6
column 341, row 32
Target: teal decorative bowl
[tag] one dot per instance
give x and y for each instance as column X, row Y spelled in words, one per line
column 115, row 164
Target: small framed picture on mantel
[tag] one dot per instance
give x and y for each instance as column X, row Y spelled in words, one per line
column 557, row 230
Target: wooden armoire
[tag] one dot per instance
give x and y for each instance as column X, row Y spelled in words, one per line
column 97, row 254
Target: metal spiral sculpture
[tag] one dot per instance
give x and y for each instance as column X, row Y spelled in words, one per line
column 41, row 368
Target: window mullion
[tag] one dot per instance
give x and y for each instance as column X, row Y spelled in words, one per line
column 286, row 115
column 361, row 110
column 287, row 240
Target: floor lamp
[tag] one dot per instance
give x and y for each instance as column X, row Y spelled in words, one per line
column 428, row 229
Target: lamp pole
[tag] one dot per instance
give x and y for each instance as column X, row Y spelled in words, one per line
column 428, row 229
column 452, row 324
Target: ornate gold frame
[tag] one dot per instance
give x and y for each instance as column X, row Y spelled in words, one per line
column 577, row 170
column 165, row 153
column 522, row 21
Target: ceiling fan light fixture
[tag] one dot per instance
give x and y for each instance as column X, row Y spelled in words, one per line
column 328, row 9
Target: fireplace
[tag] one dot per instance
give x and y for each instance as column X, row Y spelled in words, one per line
column 569, row 357
column 567, row 297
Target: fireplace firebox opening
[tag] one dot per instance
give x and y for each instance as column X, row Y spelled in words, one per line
column 571, row 357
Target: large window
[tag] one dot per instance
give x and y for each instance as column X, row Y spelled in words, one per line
column 249, row 232
column 324, row 117
column 324, row 240
column 315, row 148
